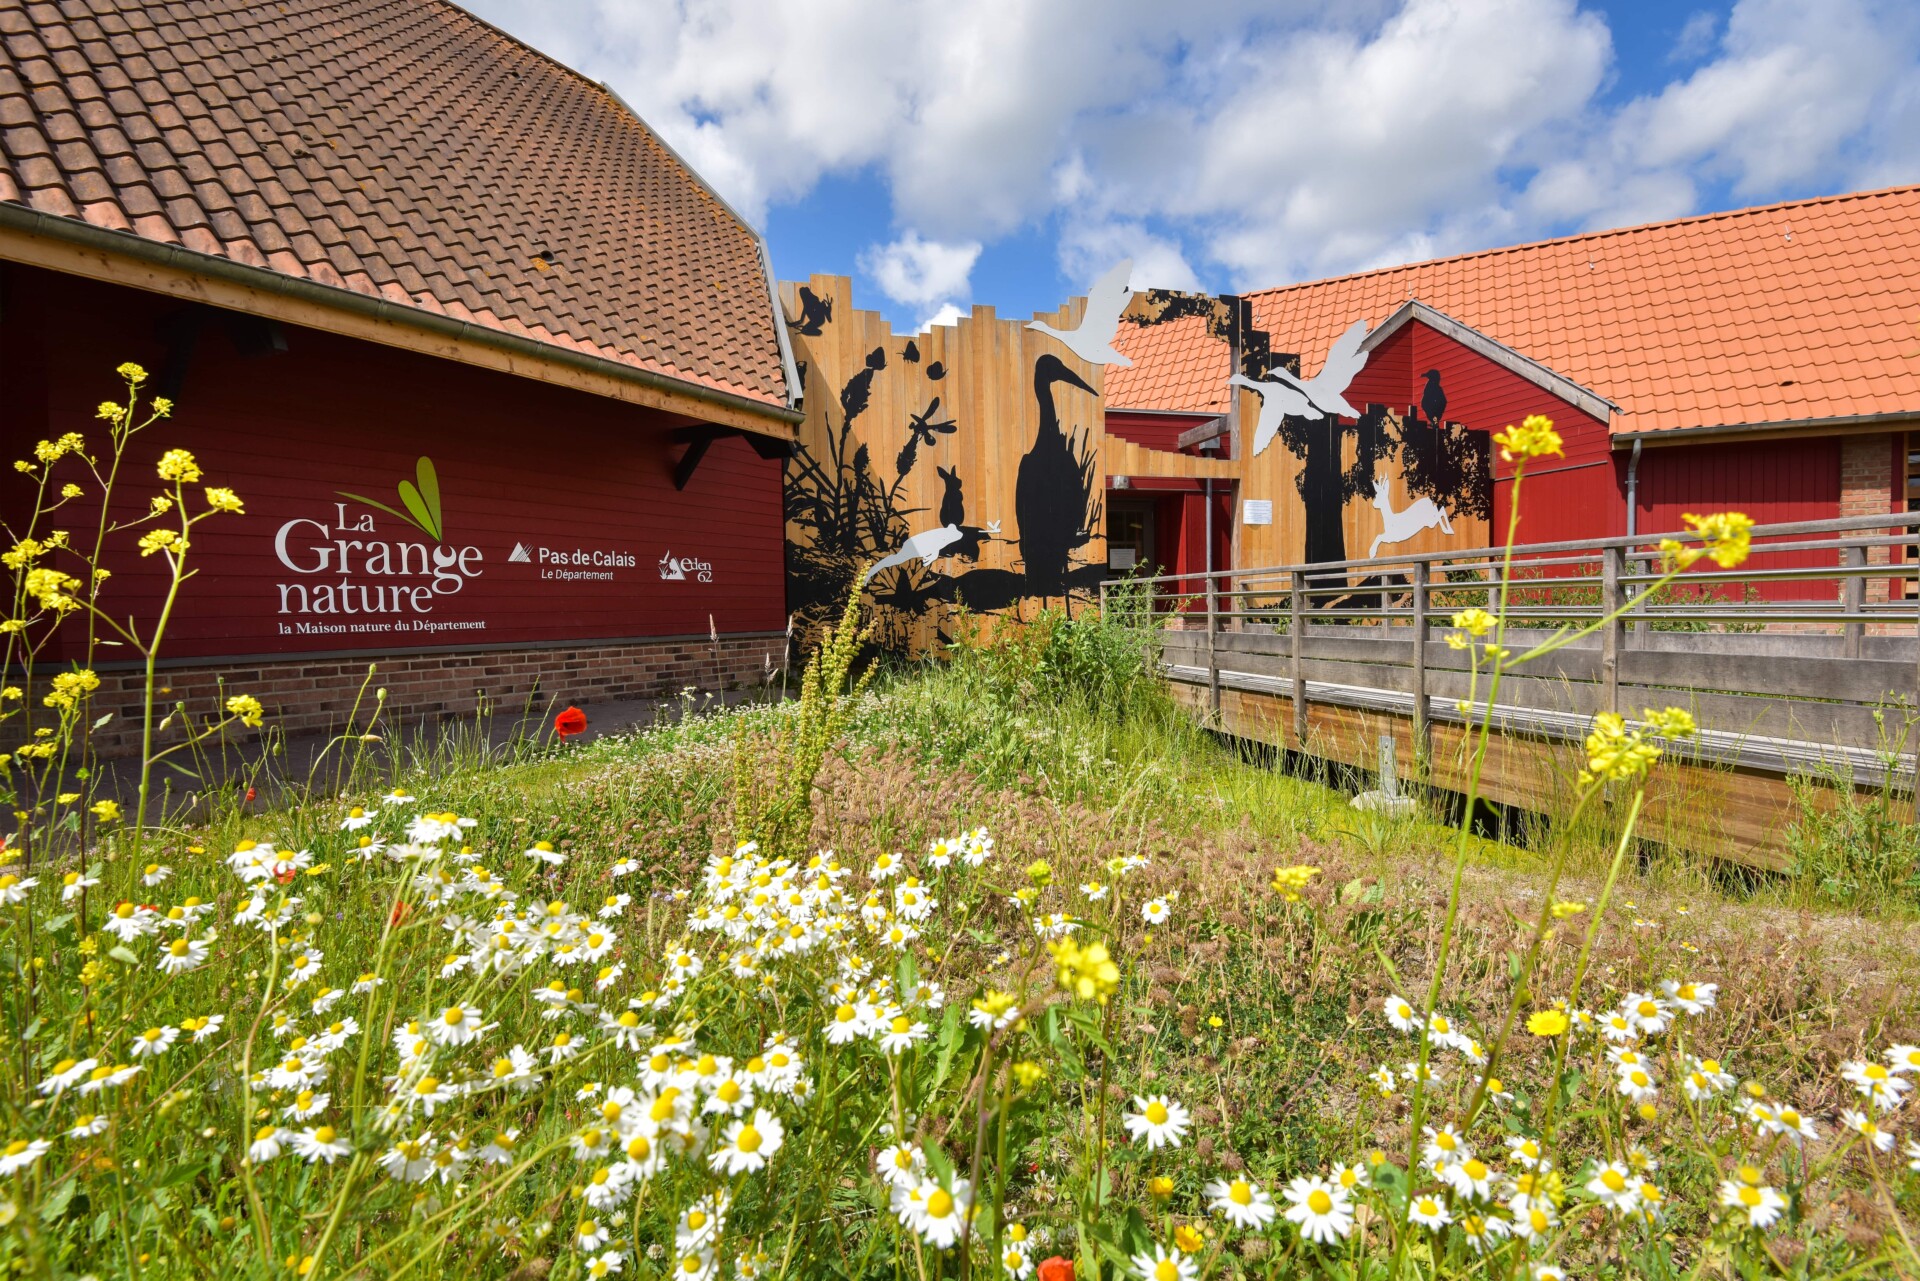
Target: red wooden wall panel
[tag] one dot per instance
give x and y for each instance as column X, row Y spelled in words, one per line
column 520, row 464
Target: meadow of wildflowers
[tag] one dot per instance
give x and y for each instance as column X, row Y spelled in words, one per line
column 808, row 992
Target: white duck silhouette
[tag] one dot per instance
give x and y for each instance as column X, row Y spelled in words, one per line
column 1327, row 389
column 1092, row 339
column 1277, row 400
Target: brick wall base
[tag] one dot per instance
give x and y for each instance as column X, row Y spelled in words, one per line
column 316, row 694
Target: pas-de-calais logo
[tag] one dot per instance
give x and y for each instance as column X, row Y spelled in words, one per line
column 676, row 569
column 520, row 555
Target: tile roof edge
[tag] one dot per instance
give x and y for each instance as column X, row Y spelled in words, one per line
column 131, row 245
column 1520, row 365
column 1574, row 238
column 1682, row 435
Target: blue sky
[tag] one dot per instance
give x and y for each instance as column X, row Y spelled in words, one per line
column 1007, row 151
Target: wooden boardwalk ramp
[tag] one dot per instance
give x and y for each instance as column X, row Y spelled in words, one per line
column 1802, row 667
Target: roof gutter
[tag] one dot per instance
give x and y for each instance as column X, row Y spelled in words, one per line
column 126, row 244
column 1800, row 426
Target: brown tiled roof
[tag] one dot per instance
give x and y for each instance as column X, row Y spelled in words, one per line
column 401, row 149
column 1179, row 367
column 1760, row 316
column 1781, row 314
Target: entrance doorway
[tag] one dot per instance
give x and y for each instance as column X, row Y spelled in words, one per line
column 1131, row 536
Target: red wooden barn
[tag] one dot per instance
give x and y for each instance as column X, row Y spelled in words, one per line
column 367, row 248
column 1765, row 360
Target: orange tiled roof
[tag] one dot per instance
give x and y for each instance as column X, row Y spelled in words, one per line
column 1779, row 314
column 401, row 149
column 1178, row 368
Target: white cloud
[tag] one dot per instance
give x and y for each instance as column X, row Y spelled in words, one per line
column 947, row 315
column 1243, row 142
column 917, row 272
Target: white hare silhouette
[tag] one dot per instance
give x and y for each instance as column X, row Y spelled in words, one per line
column 1421, row 514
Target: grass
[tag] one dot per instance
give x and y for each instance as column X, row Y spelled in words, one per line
column 1263, row 1017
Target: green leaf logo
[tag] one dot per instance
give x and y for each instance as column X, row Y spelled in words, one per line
column 420, row 497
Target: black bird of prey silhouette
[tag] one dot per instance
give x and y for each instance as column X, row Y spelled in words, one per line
column 1433, row 401
column 815, row 311
column 1053, row 488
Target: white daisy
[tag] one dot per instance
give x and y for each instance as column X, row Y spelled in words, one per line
column 1163, row 1265
column 1242, row 1203
column 1320, row 1209
column 1159, row 1121
column 746, row 1146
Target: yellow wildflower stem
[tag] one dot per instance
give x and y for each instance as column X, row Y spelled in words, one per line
column 1461, row 837
column 1521, row 989
column 1586, row 948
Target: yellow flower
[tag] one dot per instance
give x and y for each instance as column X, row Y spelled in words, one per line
column 67, row 798
column 1728, row 536
column 1028, row 1074
column 1160, row 1187
column 1189, row 1239
column 1040, row 872
column 106, row 811
column 1475, row 622
column 70, row 687
column 22, row 552
column 155, row 540
column 53, row 589
column 51, row 451
column 1674, row 722
column 160, row 506
column 178, row 464
column 108, row 411
column 70, row 491
column 1088, row 973
column 223, row 500
column 1676, row 555
column 1288, row 882
column 1616, row 753
column 1567, row 907
column 162, row 406
column 132, row 372
column 11, row 693
column 1547, row 1022
column 1534, row 437
column 247, row 708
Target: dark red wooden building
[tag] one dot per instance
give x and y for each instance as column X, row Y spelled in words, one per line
column 368, row 244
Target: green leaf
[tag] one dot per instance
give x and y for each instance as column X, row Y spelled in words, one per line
column 101, row 1222
column 430, row 492
column 368, row 502
column 415, row 504
column 952, row 1035
column 124, row 956
column 59, row 923
column 57, row 1201
column 102, row 720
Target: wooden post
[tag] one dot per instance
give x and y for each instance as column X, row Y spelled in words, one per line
column 1853, row 599
column 1297, row 626
column 1421, row 571
column 1611, row 599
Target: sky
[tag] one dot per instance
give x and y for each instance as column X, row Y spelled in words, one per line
column 946, row 153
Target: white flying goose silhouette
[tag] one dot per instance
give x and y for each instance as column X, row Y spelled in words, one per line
column 1092, row 339
column 1277, row 400
column 1327, row 389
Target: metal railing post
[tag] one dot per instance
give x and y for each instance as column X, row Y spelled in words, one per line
column 1420, row 572
column 1213, row 657
column 1611, row 599
column 1853, row 598
column 1297, row 627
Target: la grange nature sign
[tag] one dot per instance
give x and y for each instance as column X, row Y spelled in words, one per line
column 337, row 574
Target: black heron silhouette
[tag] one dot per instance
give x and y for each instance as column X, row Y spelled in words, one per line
column 1433, row 401
column 1052, row 489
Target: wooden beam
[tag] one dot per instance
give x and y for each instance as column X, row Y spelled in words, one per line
column 141, row 264
column 690, row 461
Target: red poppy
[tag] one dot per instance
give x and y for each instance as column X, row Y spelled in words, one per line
column 251, row 794
column 570, row 722
column 1056, row 1269
column 399, row 914
column 286, row 877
